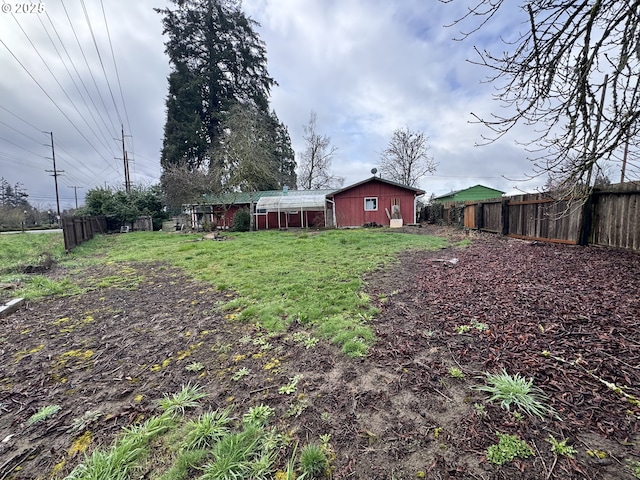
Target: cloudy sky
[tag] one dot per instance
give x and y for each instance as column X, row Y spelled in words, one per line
column 366, row 67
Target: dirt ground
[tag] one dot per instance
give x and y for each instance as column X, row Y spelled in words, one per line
column 565, row 316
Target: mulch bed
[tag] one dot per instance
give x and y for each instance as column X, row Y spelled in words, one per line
column 565, row 316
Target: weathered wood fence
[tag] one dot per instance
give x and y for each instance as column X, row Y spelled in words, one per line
column 80, row 229
column 610, row 217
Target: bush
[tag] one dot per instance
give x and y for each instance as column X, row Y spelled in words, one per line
column 241, row 221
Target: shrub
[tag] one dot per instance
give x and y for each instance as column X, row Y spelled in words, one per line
column 241, row 221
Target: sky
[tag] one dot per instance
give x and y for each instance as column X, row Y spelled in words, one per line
column 86, row 70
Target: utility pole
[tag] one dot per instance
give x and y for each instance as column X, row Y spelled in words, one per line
column 55, row 174
column 125, row 161
column 75, row 191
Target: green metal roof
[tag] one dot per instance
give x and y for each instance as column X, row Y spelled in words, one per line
column 477, row 192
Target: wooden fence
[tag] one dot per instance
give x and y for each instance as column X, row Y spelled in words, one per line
column 80, row 229
column 610, row 217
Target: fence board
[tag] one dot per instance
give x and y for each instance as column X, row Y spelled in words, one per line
column 537, row 216
column 617, row 217
column 609, row 217
column 76, row 230
column 470, row 216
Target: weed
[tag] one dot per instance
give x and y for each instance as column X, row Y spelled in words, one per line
column 480, row 410
column 460, row 329
column 597, row 454
column 455, row 372
column 187, row 397
column 325, row 416
column 635, row 468
column 258, row 416
column 481, row 327
column 194, row 367
column 81, row 423
column 296, row 408
column 243, row 372
column 517, row 391
column 427, row 333
column 560, row 447
column 291, row 386
column 43, row 413
column 324, row 441
column 508, row 448
column 313, row 461
column 304, row 338
column 206, row 430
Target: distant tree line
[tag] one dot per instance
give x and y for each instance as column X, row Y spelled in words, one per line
column 16, row 212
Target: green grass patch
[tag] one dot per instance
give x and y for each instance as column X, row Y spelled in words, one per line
column 22, row 249
column 280, row 278
column 18, row 251
column 277, row 276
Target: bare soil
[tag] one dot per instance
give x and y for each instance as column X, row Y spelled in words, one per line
column 565, row 316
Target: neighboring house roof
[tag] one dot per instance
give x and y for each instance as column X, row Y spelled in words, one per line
column 378, row 179
column 469, row 192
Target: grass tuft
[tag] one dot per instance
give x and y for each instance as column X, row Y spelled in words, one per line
column 187, row 397
column 206, row 430
column 313, row 461
column 516, row 391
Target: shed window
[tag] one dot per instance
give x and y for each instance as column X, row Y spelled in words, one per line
column 370, row 204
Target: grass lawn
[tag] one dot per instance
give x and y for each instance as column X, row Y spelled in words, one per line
column 275, row 278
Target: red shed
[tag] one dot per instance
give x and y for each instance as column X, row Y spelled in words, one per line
column 374, row 200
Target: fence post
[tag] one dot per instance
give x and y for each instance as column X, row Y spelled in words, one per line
column 479, row 218
column 504, row 216
column 587, row 220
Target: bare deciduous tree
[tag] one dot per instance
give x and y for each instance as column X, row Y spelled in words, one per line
column 574, row 73
column 406, row 159
column 245, row 160
column 315, row 163
column 181, row 184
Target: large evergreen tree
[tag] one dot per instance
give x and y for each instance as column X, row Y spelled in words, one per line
column 218, row 62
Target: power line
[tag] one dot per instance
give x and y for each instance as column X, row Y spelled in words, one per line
column 113, row 132
column 21, row 133
column 75, row 107
column 104, row 137
column 86, row 16
column 20, row 146
column 21, row 119
column 53, row 101
column 115, row 65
